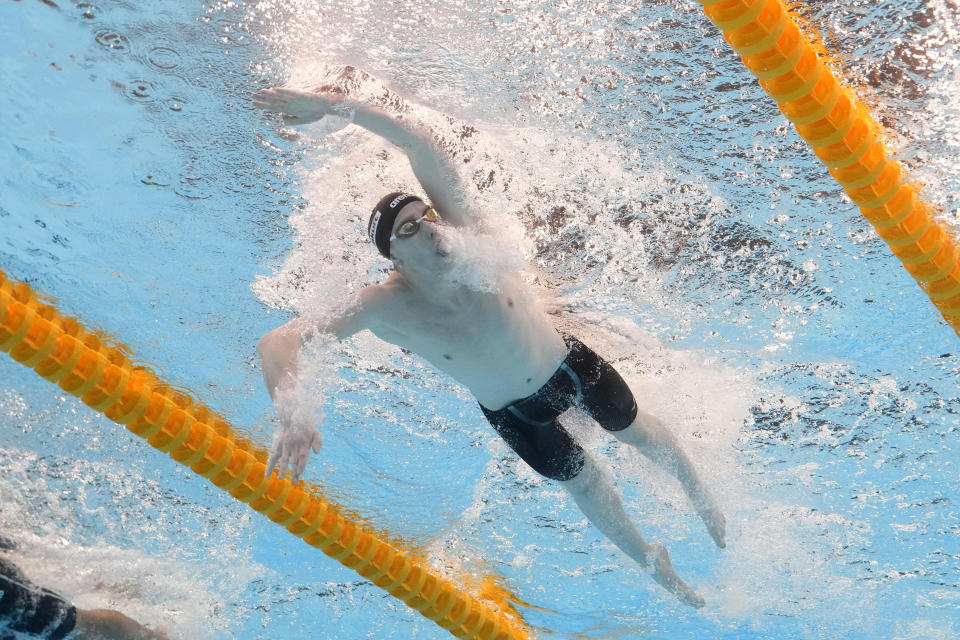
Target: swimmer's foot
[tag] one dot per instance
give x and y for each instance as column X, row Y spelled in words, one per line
column 661, row 569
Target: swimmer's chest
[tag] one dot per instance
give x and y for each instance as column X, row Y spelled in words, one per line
column 467, row 329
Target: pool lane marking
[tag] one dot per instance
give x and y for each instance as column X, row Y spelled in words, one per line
column 62, row 351
column 846, row 139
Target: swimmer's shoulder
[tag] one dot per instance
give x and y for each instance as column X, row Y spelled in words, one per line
column 377, row 302
column 364, row 310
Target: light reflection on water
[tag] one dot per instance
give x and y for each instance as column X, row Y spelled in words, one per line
column 657, row 186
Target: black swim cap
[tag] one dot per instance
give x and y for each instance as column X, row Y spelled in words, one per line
column 380, row 227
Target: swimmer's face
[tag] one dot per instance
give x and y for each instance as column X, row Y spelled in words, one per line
column 422, row 246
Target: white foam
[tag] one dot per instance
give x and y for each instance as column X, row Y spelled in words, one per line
column 66, row 541
column 479, row 260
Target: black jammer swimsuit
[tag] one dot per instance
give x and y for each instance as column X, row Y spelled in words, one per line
column 26, row 608
column 530, row 425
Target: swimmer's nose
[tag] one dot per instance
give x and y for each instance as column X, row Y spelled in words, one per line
column 439, row 243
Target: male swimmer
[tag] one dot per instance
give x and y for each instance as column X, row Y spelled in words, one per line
column 498, row 343
column 29, row 611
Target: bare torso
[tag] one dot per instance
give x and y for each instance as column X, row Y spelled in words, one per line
column 501, row 346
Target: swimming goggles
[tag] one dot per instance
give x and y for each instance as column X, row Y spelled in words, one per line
column 410, row 227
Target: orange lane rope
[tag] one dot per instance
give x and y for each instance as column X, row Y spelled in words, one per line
column 60, row 350
column 845, row 137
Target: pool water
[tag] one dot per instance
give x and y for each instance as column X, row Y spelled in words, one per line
column 681, row 226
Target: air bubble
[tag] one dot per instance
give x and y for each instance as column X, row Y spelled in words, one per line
column 88, row 11
column 176, row 104
column 139, row 90
column 115, row 41
column 164, row 58
column 193, row 187
column 155, row 178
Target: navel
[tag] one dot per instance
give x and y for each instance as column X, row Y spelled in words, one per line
column 510, row 302
column 447, row 357
column 529, row 380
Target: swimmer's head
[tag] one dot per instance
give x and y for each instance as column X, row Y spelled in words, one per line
column 380, row 226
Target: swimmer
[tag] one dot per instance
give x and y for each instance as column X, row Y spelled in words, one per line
column 35, row 612
column 498, row 343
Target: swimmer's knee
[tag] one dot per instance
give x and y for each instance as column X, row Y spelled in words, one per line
column 619, row 418
column 586, row 475
column 561, row 467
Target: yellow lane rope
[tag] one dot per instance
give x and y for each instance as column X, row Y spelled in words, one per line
column 845, row 137
column 60, row 350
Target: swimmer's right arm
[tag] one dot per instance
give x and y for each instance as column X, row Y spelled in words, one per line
column 279, row 352
column 433, row 168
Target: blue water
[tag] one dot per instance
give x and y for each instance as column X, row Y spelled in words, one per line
column 684, row 229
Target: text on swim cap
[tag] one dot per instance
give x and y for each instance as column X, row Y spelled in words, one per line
column 372, row 230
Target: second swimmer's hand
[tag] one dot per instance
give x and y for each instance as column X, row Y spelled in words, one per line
column 297, row 107
column 291, row 448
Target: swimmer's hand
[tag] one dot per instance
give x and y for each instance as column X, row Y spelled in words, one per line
column 299, row 107
column 291, row 448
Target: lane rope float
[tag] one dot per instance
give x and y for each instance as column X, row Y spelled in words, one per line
column 61, row 350
column 846, row 139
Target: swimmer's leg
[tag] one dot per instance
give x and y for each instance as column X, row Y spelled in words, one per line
column 648, row 434
column 598, row 500
column 607, row 397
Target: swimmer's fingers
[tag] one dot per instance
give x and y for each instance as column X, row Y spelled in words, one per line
column 267, row 101
column 272, row 461
column 303, row 454
column 275, row 99
column 299, row 464
column 283, row 92
column 278, row 459
column 297, row 107
column 266, row 106
column 277, row 94
column 283, row 465
column 289, row 119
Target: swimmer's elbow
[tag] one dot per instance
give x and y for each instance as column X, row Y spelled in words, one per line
column 281, row 339
column 266, row 344
column 344, row 326
column 358, row 313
